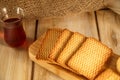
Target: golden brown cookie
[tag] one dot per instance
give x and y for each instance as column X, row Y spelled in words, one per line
column 73, row 44
column 48, row 43
column 61, row 42
column 108, row 75
column 118, row 64
column 90, row 58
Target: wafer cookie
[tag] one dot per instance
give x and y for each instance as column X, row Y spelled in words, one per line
column 61, row 42
column 73, row 44
column 48, row 43
column 108, row 75
column 90, row 58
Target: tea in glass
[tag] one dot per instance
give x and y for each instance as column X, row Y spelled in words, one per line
column 14, row 33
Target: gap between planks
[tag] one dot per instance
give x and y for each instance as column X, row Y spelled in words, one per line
column 35, row 37
column 97, row 26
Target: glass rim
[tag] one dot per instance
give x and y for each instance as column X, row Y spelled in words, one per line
column 16, row 9
column 19, row 13
column 10, row 24
column 19, row 19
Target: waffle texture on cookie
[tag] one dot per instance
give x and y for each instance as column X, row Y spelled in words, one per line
column 73, row 44
column 48, row 42
column 61, row 42
column 90, row 58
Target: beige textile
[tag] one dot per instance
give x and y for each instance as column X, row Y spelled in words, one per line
column 48, row 8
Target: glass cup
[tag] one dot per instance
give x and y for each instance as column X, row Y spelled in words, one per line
column 11, row 18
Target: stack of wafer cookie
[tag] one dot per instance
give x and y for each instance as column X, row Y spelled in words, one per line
column 82, row 55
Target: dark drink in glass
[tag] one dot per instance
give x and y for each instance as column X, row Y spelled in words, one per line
column 14, row 34
column 11, row 18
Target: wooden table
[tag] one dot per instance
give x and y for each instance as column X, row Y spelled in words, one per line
column 15, row 64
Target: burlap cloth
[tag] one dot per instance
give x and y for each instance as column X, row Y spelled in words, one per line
column 48, row 8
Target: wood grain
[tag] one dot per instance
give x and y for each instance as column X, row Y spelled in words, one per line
column 83, row 23
column 109, row 28
column 14, row 62
column 58, row 70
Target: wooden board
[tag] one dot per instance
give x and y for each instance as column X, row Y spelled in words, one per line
column 63, row 73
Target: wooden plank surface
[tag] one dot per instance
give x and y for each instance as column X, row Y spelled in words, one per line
column 109, row 29
column 83, row 23
column 15, row 63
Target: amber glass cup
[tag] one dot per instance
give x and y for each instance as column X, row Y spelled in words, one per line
column 14, row 34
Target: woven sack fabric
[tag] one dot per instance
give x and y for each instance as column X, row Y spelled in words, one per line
column 48, row 8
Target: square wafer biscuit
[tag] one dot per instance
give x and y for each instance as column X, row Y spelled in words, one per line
column 73, row 44
column 108, row 75
column 90, row 58
column 48, row 43
column 61, row 42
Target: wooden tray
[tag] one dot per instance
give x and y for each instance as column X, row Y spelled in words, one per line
column 63, row 73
